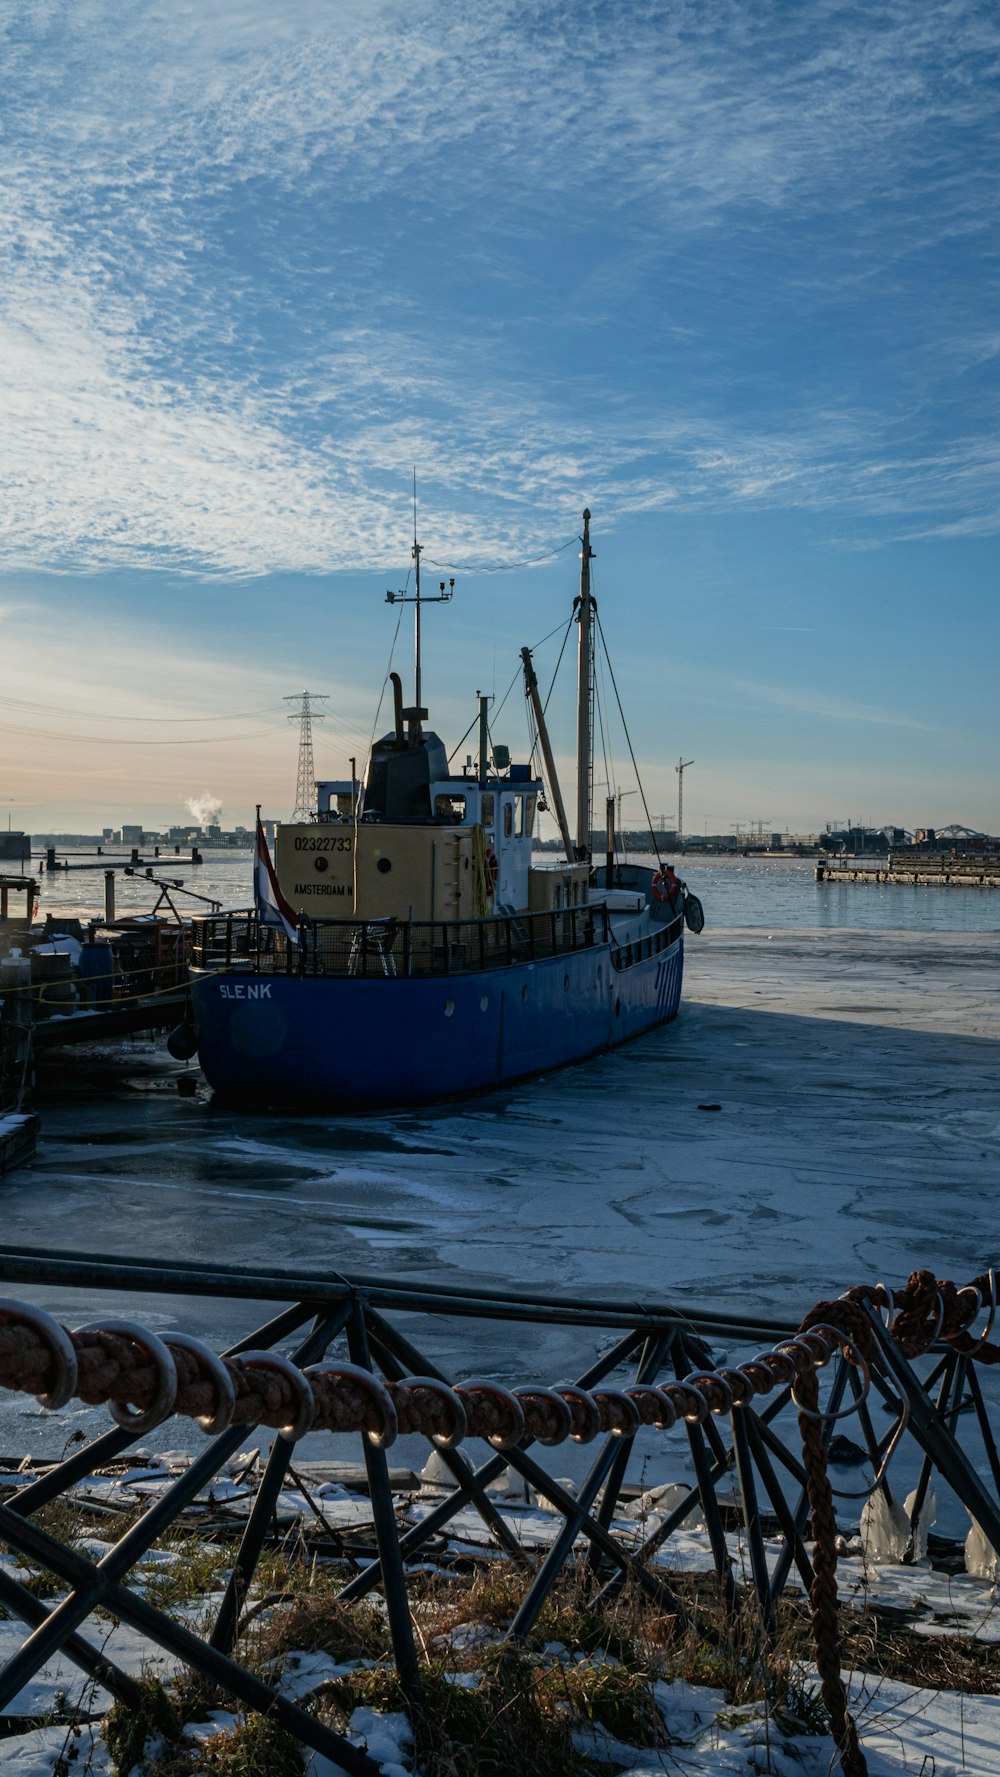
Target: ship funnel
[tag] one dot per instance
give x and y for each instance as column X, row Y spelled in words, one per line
column 397, row 704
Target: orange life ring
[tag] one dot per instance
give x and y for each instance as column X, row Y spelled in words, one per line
column 665, row 884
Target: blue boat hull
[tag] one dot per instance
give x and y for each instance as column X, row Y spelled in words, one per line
column 366, row 1044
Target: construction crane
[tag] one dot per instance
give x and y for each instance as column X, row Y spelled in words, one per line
column 680, row 768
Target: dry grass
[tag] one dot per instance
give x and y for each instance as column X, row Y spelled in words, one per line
column 488, row 1707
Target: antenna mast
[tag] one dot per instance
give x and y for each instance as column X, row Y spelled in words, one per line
column 680, row 768
column 584, row 701
column 418, row 714
column 305, row 783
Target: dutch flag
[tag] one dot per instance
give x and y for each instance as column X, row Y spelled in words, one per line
column 272, row 908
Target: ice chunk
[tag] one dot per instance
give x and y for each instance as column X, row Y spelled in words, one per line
column 927, row 1517
column 664, row 1499
column 980, row 1555
column 568, row 1486
column 510, row 1485
column 885, row 1528
column 435, row 1472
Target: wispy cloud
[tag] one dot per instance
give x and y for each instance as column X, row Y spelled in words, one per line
column 729, row 689
column 223, row 349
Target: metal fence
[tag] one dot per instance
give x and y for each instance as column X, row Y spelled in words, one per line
column 642, row 1369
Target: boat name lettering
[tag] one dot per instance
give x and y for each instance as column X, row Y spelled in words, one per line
column 322, row 888
column 327, row 843
column 246, row 991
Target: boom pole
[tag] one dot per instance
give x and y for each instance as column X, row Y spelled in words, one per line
column 531, row 693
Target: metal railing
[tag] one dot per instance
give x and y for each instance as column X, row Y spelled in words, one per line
column 639, row 950
column 638, row 1368
column 395, row 947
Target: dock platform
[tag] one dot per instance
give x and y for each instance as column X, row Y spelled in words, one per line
column 932, row 869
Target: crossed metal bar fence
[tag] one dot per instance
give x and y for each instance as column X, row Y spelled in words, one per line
column 389, row 1382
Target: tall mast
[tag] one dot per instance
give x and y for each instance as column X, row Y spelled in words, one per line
column 416, row 609
column 584, row 701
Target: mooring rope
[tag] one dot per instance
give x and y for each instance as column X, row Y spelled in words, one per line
column 145, row 1377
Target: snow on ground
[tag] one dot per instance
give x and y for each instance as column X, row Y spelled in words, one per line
column 919, row 1733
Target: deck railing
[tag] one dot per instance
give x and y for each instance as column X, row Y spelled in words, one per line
column 394, row 947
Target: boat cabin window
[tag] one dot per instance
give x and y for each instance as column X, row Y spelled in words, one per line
column 450, row 808
column 519, row 815
column 488, row 816
column 529, row 814
column 508, row 819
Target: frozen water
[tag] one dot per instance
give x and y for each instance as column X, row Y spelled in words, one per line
column 856, row 1075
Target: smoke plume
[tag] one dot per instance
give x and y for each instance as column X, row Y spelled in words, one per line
column 206, row 809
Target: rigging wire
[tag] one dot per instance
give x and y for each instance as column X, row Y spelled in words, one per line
column 510, row 687
column 459, row 744
column 599, row 707
column 517, row 674
column 555, row 675
column 385, row 681
column 462, row 567
column 606, row 737
column 628, row 737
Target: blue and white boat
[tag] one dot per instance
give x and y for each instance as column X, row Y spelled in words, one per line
column 407, row 945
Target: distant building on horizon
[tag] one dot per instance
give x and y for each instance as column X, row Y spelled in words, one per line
column 15, row 848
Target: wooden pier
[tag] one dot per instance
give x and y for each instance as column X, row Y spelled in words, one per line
column 158, row 1011
column 932, row 869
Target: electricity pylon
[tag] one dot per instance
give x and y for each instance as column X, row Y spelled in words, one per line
column 305, row 783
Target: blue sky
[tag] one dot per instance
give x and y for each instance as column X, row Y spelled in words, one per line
column 727, row 274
